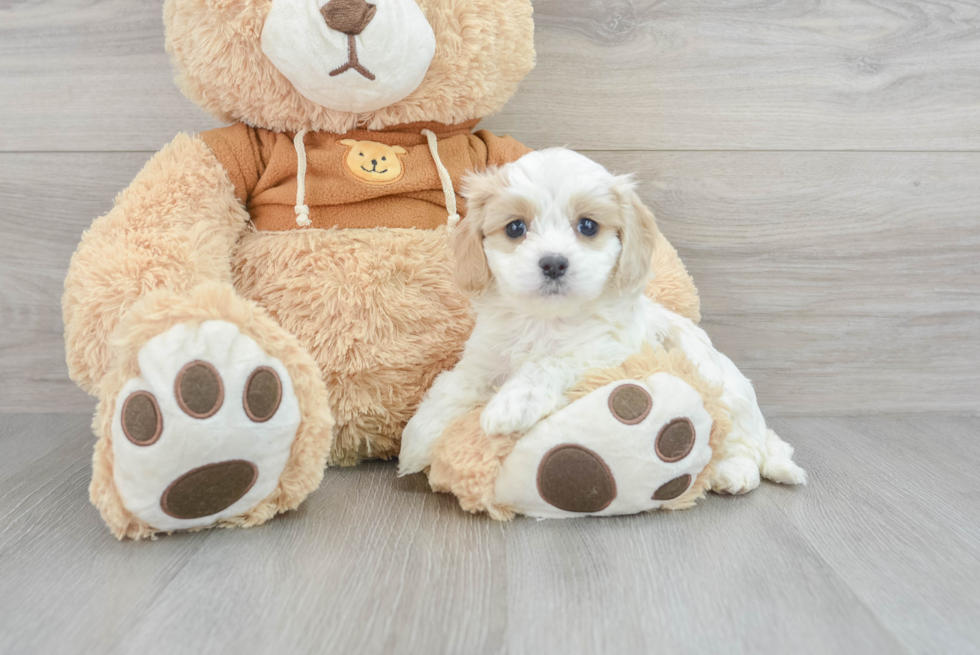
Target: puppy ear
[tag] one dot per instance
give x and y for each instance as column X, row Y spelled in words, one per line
column 472, row 270
column 400, row 151
column 348, row 142
column 480, row 188
column 638, row 237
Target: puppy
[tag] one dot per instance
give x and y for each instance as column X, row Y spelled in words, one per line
column 555, row 253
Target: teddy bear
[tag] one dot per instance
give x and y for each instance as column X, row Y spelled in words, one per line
column 275, row 295
column 641, row 436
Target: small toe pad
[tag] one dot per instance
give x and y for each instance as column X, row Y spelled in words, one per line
column 263, row 393
column 675, row 440
column 199, row 389
column 142, row 422
column 673, row 489
column 630, row 403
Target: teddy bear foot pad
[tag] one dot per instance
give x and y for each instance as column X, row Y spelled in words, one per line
column 205, row 430
column 628, row 447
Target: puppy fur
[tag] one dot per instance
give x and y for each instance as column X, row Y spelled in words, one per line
column 536, row 334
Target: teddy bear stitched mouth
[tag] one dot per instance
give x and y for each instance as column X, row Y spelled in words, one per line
column 349, row 17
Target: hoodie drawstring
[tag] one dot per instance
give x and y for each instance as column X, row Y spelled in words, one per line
column 445, row 179
column 302, row 209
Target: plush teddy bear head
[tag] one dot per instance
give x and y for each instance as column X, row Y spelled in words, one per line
column 334, row 65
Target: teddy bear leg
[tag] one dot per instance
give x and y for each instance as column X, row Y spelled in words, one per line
column 466, row 463
column 213, row 415
column 632, row 445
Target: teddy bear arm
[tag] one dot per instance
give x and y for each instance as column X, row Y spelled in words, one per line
column 173, row 228
column 501, row 149
column 672, row 286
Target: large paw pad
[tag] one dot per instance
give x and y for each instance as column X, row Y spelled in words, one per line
column 575, row 479
column 188, row 455
column 627, row 447
column 208, row 489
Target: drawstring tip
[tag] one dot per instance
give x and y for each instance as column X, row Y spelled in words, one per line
column 452, row 222
column 303, row 216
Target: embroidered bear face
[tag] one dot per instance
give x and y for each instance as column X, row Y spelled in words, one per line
column 374, row 162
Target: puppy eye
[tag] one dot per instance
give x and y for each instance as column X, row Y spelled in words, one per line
column 587, row 227
column 384, row 159
column 361, row 154
column 516, row 229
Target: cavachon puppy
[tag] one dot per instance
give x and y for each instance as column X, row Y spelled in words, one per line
column 555, row 253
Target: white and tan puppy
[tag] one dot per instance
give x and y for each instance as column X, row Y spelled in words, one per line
column 555, row 252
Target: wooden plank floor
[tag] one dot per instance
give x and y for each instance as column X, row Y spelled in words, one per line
column 879, row 554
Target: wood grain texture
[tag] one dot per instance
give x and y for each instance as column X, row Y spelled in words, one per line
column 880, row 553
column 841, row 283
column 46, row 202
column 838, row 282
column 611, row 74
column 890, row 508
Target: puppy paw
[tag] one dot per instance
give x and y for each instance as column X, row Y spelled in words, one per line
column 735, row 475
column 515, row 409
column 417, row 439
column 205, row 430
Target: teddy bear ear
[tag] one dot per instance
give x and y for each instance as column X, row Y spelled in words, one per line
column 348, row 142
column 400, row 151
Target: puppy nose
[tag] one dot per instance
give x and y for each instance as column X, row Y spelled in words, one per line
column 348, row 16
column 553, row 266
column 374, row 161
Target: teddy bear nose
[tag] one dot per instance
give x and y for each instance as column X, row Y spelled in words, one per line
column 374, row 162
column 348, row 16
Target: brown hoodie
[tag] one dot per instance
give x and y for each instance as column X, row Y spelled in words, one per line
column 362, row 179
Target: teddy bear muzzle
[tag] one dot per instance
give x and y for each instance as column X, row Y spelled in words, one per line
column 350, row 55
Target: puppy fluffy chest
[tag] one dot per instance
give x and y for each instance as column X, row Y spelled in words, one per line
column 591, row 341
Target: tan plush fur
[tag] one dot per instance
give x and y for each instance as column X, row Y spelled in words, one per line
column 378, row 311
column 672, row 286
column 484, row 48
column 161, row 310
column 466, row 462
column 173, row 228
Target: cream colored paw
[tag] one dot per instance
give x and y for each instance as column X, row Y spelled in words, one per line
column 515, row 408
column 735, row 475
column 204, row 432
column 628, row 447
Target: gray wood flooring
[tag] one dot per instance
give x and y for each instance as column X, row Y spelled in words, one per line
column 879, row 554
